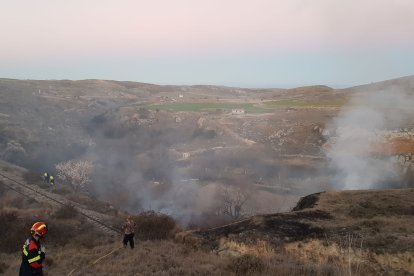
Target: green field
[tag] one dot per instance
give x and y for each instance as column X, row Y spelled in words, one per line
column 247, row 107
column 299, row 103
column 205, row 107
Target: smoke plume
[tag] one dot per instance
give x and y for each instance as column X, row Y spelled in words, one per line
column 358, row 143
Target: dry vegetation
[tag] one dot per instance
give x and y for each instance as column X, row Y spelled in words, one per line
column 145, row 145
column 357, row 232
column 336, row 233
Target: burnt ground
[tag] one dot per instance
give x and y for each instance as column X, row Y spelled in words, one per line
column 274, row 228
column 307, row 202
column 380, row 220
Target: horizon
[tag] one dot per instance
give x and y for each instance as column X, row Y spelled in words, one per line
column 249, row 44
column 207, row 84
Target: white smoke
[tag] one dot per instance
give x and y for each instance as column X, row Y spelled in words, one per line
column 359, row 132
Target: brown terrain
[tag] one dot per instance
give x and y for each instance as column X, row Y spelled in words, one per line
column 218, row 178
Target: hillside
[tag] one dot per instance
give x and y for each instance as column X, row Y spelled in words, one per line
column 406, row 83
column 168, row 135
column 370, row 229
column 211, row 174
column 148, row 142
column 329, row 233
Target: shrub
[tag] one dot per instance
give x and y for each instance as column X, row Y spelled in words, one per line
column 60, row 233
column 31, row 201
column 143, row 113
column 3, row 267
column 66, row 212
column 86, row 236
column 2, row 188
column 246, row 265
column 14, row 239
column 154, row 226
column 7, row 218
column 204, row 133
column 114, row 132
column 14, row 200
column 100, row 119
column 76, row 173
column 62, row 190
column 49, row 262
column 92, row 203
column 34, row 178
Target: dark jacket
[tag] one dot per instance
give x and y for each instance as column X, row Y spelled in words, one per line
column 32, row 258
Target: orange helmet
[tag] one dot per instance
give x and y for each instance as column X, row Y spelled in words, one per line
column 39, row 228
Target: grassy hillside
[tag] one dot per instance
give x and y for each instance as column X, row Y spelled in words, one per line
column 331, row 233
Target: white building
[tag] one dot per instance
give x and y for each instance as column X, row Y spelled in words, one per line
column 237, row 111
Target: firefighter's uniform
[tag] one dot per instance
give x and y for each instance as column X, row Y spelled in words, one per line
column 32, row 255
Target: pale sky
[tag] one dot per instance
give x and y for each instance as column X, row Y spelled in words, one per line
column 251, row 43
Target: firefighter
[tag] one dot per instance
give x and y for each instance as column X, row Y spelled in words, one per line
column 33, row 253
column 52, row 180
column 129, row 232
column 46, row 177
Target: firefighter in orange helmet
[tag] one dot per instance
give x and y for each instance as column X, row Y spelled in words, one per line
column 33, row 254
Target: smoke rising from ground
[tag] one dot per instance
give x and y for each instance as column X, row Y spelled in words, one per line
column 145, row 169
column 358, row 138
column 140, row 171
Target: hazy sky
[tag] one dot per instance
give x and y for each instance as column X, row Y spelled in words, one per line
column 254, row 43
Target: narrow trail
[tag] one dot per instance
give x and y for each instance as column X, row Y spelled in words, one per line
column 15, row 182
column 220, row 125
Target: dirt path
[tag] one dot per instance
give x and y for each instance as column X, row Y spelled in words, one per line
column 13, row 179
column 219, row 125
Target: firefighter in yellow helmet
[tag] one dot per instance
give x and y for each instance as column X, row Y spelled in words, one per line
column 33, row 254
column 46, row 177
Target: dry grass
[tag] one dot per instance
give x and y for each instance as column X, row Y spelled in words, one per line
column 246, row 265
column 360, row 233
column 369, row 203
column 282, row 264
column 352, row 259
column 169, row 258
column 397, row 262
column 378, row 241
column 32, row 177
column 66, row 212
column 89, row 202
column 148, row 258
column 258, row 248
column 15, row 229
column 155, row 226
column 18, row 213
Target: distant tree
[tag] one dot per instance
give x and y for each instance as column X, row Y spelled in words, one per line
column 144, row 113
column 233, row 200
column 75, row 173
column 204, row 133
